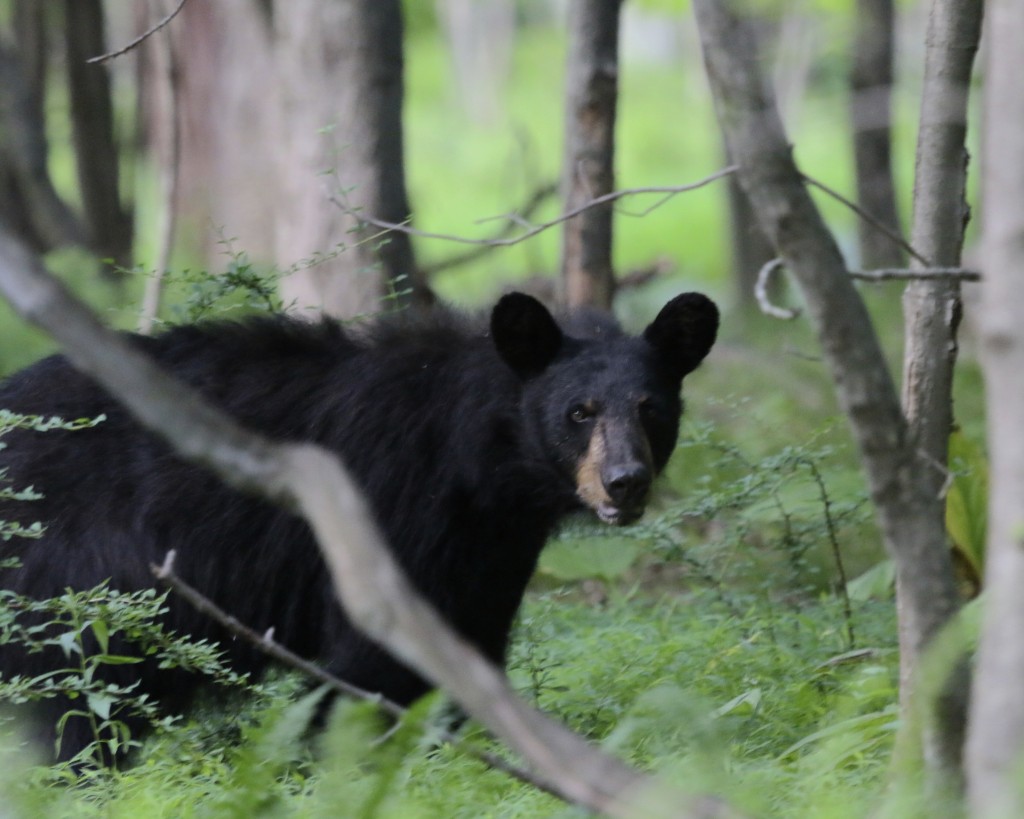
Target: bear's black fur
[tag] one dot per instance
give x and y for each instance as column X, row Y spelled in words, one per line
column 470, row 440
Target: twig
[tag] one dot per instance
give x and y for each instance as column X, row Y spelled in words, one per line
column 833, row 541
column 867, row 217
column 764, row 275
column 266, row 643
column 102, row 58
column 891, row 273
column 535, row 229
column 517, row 217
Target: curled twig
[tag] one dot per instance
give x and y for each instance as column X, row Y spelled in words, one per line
column 102, row 58
column 764, row 276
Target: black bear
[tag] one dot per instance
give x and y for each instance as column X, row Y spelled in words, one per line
column 470, row 439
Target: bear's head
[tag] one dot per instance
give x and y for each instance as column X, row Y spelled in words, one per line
column 602, row 406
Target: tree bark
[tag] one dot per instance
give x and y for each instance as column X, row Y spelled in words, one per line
column 932, row 309
column 96, row 150
column 592, row 76
column 753, row 130
column 995, row 745
column 28, row 200
column 871, row 81
column 340, row 109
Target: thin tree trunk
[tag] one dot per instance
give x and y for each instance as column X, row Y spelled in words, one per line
column 995, row 746
column 341, row 88
column 932, row 311
column 96, row 150
column 592, row 77
column 871, row 81
column 29, row 203
column 749, row 118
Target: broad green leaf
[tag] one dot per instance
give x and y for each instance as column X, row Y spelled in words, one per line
column 100, row 704
column 99, row 628
column 876, row 582
column 967, row 500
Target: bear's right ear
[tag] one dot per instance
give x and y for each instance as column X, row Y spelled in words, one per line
column 525, row 334
column 684, row 332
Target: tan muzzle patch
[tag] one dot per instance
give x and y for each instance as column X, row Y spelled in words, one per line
column 589, row 486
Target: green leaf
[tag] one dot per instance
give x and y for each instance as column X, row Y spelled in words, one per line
column 99, row 628
column 68, row 641
column 877, row 582
column 100, row 704
column 746, row 704
column 576, row 559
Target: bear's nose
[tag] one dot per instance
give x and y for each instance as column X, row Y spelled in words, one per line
column 627, row 484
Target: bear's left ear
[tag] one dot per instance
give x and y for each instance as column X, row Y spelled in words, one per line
column 684, row 332
column 525, row 334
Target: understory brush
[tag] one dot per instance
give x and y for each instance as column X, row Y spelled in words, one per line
column 711, row 644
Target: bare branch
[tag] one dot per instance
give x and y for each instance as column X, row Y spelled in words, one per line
column 670, row 190
column 102, row 58
column 917, row 274
column 867, row 217
column 517, row 217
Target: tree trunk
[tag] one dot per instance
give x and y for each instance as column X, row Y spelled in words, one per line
column 480, row 38
column 932, row 309
column 871, row 80
column 29, row 204
column 996, row 743
column 592, row 75
column 92, row 116
column 903, row 503
column 340, row 110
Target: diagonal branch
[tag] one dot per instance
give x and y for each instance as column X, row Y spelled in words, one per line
column 102, row 58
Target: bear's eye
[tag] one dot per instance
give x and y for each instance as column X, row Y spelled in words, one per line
column 580, row 414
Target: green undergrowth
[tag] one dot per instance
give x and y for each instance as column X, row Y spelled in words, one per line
column 764, row 705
